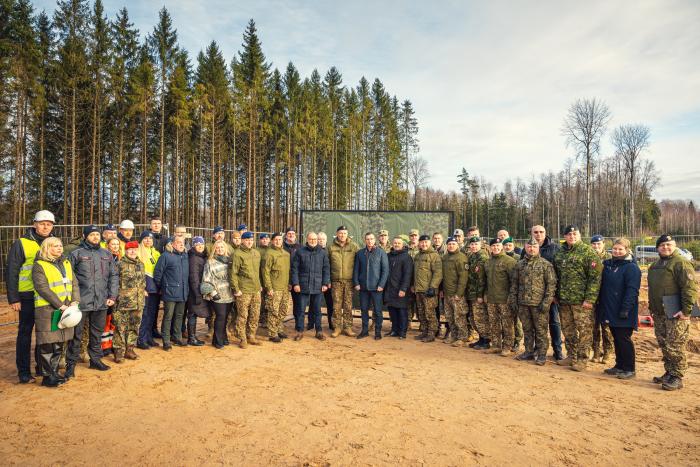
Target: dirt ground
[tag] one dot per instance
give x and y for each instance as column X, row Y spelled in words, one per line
column 344, row 401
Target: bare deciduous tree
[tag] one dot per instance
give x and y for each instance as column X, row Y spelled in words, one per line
column 630, row 142
column 418, row 176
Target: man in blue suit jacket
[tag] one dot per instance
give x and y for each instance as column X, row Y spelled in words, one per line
column 369, row 276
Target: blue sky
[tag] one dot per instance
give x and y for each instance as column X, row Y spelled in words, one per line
column 490, row 81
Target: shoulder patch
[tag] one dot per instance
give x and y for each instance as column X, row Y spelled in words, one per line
column 593, row 264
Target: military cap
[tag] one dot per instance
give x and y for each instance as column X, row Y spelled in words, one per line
column 263, row 235
column 242, row 227
column 248, row 234
column 290, row 229
column 532, row 241
column 218, row 229
column 342, row 227
column 277, row 234
column 474, row 240
column 451, row 239
column 130, row 245
column 507, row 240
column 383, row 232
column 458, row 232
column 494, row 241
column 423, row 237
column 569, row 229
column 662, row 239
column 596, row 238
column 110, row 227
column 413, row 232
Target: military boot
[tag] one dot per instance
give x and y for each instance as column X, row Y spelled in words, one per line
column 459, row 343
column 578, row 366
column 421, row 336
column 605, row 359
column 568, row 361
column 429, row 337
column 130, row 354
column 450, row 340
column 525, row 356
column 118, row 357
column 661, row 379
column 243, row 344
column 336, row 332
column 253, row 341
column 349, row 332
column 673, row 383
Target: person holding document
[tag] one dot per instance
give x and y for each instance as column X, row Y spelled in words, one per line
column 672, row 294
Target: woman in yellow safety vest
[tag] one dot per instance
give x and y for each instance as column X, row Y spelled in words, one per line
column 149, row 257
column 55, row 288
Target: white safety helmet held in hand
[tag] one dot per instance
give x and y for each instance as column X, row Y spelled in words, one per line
column 70, row 317
column 44, row 215
column 126, row 224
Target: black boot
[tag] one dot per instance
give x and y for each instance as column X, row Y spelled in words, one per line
column 673, row 383
column 49, row 355
column 476, row 345
column 363, row 334
column 192, row 335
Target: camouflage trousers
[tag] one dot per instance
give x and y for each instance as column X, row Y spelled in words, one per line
column 342, row 304
column 501, row 325
column 577, row 326
column 535, row 329
column 481, row 318
column 517, row 330
column 672, row 336
column 126, row 329
column 264, row 318
column 601, row 332
column 248, row 315
column 276, row 307
column 425, row 307
column 456, row 314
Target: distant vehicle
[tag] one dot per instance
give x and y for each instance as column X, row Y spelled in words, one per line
column 646, row 253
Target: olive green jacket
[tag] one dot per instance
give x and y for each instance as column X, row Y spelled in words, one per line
column 454, row 274
column 245, row 270
column 499, row 272
column 275, row 269
column 673, row 275
column 427, row 270
column 342, row 260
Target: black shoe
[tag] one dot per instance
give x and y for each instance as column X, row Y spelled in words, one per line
column 143, row 346
column 627, row 375
column 282, row 335
column 420, row 336
column 402, row 337
column 275, row 339
column 558, row 356
column 309, row 326
column 525, row 356
column 26, row 379
column 193, row 341
column 377, row 337
column 218, row 346
column 331, row 327
column 50, row 381
column 167, row 347
column 98, row 365
column 429, row 338
column 474, row 344
column 614, row 371
column 154, row 344
column 363, row 334
column 484, row 346
column 70, row 371
column 661, row 379
column 391, row 334
column 673, row 383
column 156, row 334
column 541, row 360
column 178, row 342
column 226, row 342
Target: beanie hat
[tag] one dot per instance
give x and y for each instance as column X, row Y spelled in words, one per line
column 110, row 227
column 88, row 229
column 198, row 240
column 144, row 234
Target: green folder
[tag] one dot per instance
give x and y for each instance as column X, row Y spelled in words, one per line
column 55, row 318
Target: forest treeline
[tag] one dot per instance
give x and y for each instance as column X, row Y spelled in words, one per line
column 100, row 122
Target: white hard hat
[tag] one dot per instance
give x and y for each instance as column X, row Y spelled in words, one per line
column 44, row 216
column 70, row 318
column 126, row 224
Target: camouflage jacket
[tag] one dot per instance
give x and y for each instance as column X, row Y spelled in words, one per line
column 476, row 277
column 427, row 270
column 413, row 251
column 454, row 274
column 534, row 282
column 579, row 271
column 132, row 284
column 604, row 255
column 673, row 275
column 499, row 271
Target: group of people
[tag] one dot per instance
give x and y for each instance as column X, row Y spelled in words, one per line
column 489, row 295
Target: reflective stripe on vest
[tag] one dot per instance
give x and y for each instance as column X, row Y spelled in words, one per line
column 30, row 248
column 62, row 287
column 149, row 265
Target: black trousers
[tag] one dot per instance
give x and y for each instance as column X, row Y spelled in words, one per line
column 221, row 310
column 399, row 320
column 23, row 346
column 97, row 319
column 328, row 296
column 624, row 348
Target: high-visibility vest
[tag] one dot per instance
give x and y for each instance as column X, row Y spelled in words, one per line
column 61, row 286
column 31, row 248
column 149, row 264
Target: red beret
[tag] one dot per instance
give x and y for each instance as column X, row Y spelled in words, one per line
column 130, row 245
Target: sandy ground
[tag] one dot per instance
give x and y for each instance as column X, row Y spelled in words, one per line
column 344, row 401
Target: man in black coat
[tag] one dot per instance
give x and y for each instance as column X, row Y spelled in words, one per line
column 548, row 249
column 396, row 296
column 310, row 277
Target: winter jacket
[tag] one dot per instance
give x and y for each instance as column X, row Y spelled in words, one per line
column 534, row 282
column 15, row 260
column 291, row 249
column 132, row 284
column 43, row 314
column 97, row 275
column 454, row 274
column 310, row 269
column 619, row 293
column 276, row 269
column 578, row 269
column 245, row 271
column 158, row 241
column 548, row 249
column 672, row 275
column 499, row 272
column 342, row 259
column 172, row 276
column 371, row 269
column 195, row 303
column 400, row 278
column 476, row 279
column 217, row 272
column 427, row 271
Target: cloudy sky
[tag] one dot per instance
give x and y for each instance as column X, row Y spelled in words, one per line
column 490, row 81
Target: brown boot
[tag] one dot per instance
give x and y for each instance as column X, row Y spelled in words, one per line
column 118, row 357
column 130, row 354
column 336, row 332
column 243, row 344
column 348, row 332
column 253, row 341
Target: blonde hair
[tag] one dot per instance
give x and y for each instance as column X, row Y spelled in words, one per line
column 145, row 252
column 46, row 245
column 213, row 248
column 624, row 242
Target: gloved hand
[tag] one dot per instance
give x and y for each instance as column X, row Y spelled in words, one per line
column 623, row 314
column 430, row 292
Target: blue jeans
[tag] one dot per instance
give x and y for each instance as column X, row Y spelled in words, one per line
column 555, row 329
column 313, row 301
column 367, row 296
column 150, row 313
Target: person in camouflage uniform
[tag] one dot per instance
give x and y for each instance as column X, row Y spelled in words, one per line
column 275, row 273
column 532, row 291
column 245, row 284
column 510, row 250
column 454, row 285
column 476, row 286
column 383, row 241
column 412, row 244
column 499, row 270
column 427, row 277
column 601, row 331
column 579, row 271
column 671, row 275
column 341, row 256
column 263, row 248
column 130, row 303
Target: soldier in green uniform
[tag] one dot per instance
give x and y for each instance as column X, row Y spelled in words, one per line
column 263, row 248
column 427, row 276
column 499, row 271
column 671, row 276
column 412, row 252
column 275, row 278
column 454, row 285
column 245, row 284
column 458, row 235
column 130, row 303
column 532, row 290
column 477, row 315
column 601, row 331
column 579, row 270
column 383, row 241
column 341, row 256
column 509, row 249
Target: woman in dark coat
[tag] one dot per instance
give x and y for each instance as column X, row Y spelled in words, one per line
column 51, row 295
column 396, row 296
column 618, row 305
column 197, row 306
